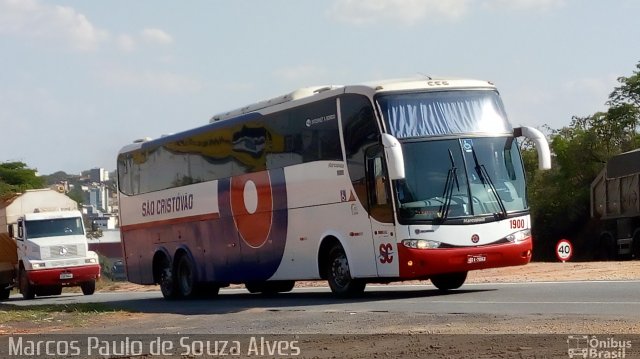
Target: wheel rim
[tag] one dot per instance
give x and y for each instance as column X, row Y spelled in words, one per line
column 340, row 271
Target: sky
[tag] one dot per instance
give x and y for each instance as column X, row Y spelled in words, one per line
column 81, row 79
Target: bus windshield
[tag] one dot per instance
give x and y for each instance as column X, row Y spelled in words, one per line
column 461, row 178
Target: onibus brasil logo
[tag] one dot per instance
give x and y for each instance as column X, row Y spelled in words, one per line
column 585, row 346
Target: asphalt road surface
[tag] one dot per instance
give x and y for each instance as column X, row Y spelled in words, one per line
column 610, row 299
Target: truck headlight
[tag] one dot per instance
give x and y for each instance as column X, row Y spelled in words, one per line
column 519, row 236
column 420, row 243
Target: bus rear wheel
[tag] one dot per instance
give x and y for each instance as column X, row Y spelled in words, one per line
column 339, row 275
column 185, row 275
column 167, row 283
column 449, row 281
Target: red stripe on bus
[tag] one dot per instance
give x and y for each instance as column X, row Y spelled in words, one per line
column 202, row 217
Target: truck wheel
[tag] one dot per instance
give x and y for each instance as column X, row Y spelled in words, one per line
column 449, row 281
column 635, row 246
column 339, row 275
column 28, row 291
column 185, row 277
column 88, row 288
column 5, row 292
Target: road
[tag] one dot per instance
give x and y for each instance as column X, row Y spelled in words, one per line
column 409, row 321
column 606, row 299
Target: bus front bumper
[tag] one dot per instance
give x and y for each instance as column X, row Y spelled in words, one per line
column 422, row 263
column 69, row 276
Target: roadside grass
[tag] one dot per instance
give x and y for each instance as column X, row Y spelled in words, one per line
column 71, row 314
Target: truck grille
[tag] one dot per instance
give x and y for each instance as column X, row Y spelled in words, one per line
column 65, row 251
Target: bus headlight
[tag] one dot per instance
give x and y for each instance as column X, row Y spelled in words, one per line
column 519, row 236
column 38, row 265
column 420, row 243
column 90, row 260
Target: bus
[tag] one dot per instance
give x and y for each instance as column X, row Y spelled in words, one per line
column 410, row 179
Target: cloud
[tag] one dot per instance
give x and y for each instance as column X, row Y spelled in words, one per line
column 29, row 18
column 126, row 43
column 156, row 36
column 539, row 5
column 361, row 12
column 166, row 82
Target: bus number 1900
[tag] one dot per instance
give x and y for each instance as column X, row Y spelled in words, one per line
column 516, row 223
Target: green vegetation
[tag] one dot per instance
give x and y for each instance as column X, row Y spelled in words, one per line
column 72, row 314
column 560, row 197
column 17, row 177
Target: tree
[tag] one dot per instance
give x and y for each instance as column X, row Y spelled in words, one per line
column 17, row 177
column 560, row 197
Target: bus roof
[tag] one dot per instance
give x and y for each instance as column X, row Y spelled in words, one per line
column 420, row 83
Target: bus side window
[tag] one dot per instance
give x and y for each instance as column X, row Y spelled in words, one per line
column 378, row 186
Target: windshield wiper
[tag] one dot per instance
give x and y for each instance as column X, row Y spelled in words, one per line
column 485, row 178
column 447, row 193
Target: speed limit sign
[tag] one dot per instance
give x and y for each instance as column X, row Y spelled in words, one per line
column 564, row 250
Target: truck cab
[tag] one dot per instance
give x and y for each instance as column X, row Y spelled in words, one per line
column 53, row 253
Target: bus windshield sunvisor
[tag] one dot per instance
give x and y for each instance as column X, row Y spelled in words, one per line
column 441, row 113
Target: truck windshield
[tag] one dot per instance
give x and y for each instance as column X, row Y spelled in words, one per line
column 54, row 227
column 486, row 178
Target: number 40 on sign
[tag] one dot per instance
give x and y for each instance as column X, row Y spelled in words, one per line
column 564, row 250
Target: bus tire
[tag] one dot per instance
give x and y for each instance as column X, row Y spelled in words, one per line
column 185, row 277
column 167, row 283
column 5, row 292
column 28, row 291
column 449, row 281
column 339, row 275
column 88, row 288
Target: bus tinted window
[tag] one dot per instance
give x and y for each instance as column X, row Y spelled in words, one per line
column 230, row 148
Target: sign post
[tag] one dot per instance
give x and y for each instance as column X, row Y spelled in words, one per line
column 564, row 250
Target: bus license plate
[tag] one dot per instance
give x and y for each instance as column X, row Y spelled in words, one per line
column 66, row 275
column 478, row 258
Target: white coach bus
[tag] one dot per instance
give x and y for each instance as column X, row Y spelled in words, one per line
column 388, row 181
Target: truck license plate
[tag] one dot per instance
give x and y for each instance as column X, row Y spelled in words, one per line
column 66, row 275
column 478, row 258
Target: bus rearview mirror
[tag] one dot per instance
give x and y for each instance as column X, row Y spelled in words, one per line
column 542, row 146
column 395, row 158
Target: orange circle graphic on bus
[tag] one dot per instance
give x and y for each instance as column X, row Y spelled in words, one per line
column 252, row 206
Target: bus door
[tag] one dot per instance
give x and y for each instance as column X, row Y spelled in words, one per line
column 380, row 210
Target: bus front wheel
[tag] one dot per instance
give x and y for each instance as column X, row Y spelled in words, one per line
column 339, row 275
column 449, row 281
